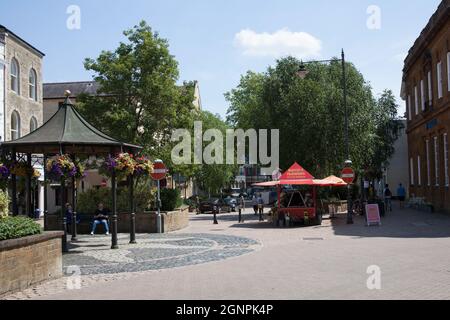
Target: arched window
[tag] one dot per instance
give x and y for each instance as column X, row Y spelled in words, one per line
column 15, row 76
column 15, row 125
column 32, row 84
column 33, row 124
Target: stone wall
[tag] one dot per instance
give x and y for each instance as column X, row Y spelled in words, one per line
column 26, row 107
column 30, row 260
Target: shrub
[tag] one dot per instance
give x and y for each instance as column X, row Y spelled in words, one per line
column 18, row 227
column 170, row 199
column 87, row 201
column 4, row 204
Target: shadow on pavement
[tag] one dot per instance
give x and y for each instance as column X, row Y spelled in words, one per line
column 400, row 223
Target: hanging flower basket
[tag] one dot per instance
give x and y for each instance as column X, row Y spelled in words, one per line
column 143, row 167
column 61, row 166
column 4, row 171
column 122, row 165
column 21, row 169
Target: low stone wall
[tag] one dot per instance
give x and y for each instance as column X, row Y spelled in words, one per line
column 145, row 222
column 30, row 260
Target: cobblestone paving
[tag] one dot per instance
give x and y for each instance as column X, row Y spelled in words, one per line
column 96, row 262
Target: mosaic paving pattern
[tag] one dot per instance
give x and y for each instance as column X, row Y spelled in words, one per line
column 153, row 252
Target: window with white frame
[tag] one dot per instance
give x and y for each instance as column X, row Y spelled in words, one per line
column 32, row 85
column 427, row 150
column 422, row 94
column 430, row 88
column 33, row 124
column 15, row 76
column 436, row 161
column 416, row 96
column 446, row 160
column 409, row 108
column 15, row 125
column 419, row 173
column 411, row 170
column 448, row 70
column 439, row 79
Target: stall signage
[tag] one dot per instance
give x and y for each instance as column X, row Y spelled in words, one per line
column 373, row 215
column 296, row 172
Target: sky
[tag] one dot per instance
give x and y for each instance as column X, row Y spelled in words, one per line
column 217, row 41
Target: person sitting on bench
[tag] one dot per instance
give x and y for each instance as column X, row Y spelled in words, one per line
column 101, row 217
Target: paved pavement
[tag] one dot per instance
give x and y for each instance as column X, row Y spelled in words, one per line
column 411, row 250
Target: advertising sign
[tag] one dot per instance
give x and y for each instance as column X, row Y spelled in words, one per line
column 373, row 214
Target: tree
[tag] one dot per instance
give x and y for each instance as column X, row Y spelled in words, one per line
column 309, row 113
column 214, row 177
column 139, row 101
column 387, row 130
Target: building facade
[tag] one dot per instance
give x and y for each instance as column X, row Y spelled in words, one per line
column 426, row 90
column 21, row 89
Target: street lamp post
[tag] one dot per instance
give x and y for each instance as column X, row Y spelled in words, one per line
column 302, row 73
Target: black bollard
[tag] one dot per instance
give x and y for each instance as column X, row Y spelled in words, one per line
column 215, row 216
column 64, row 238
column 240, row 215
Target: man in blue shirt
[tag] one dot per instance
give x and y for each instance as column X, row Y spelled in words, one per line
column 401, row 194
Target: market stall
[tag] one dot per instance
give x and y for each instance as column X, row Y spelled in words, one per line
column 299, row 203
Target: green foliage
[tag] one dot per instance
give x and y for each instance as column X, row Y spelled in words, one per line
column 213, row 177
column 140, row 102
column 309, row 113
column 18, row 227
column 4, row 204
column 170, row 199
column 88, row 201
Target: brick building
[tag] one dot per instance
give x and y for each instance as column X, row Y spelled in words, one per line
column 426, row 90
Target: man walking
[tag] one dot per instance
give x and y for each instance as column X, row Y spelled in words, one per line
column 260, row 207
column 241, row 207
column 255, row 204
column 387, row 198
column 401, row 194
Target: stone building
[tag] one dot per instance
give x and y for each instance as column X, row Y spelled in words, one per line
column 426, row 90
column 21, row 93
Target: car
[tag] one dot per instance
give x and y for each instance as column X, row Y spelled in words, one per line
column 217, row 204
column 231, row 202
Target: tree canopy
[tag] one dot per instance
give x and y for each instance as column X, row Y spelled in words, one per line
column 310, row 114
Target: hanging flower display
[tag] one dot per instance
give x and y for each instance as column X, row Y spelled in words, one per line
column 143, row 166
column 4, row 171
column 61, row 166
column 81, row 170
column 123, row 165
column 21, row 169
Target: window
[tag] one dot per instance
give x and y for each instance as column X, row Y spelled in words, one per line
column 409, row 108
column 448, row 70
column 419, row 173
column 416, row 95
column 446, row 160
column 15, row 76
column 411, row 168
column 436, row 160
column 33, row 124
column 427, row 147
column 422, row 94
column 430, row 88
column 32, row 84
column 15, row 125
column 439, row 79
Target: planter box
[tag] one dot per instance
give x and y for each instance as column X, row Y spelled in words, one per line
column 30, row 260
column 145, row 222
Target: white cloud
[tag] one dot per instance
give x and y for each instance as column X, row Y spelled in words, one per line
column 280, row 43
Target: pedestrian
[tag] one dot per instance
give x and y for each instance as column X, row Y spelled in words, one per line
column 255, row 204
column 260, row 202
column 401, row 194
column 197, row 204
column 387, row 198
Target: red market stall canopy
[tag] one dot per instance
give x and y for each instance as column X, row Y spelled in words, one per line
column 297, row 175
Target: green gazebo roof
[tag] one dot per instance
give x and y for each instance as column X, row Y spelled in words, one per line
column 68, row 132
